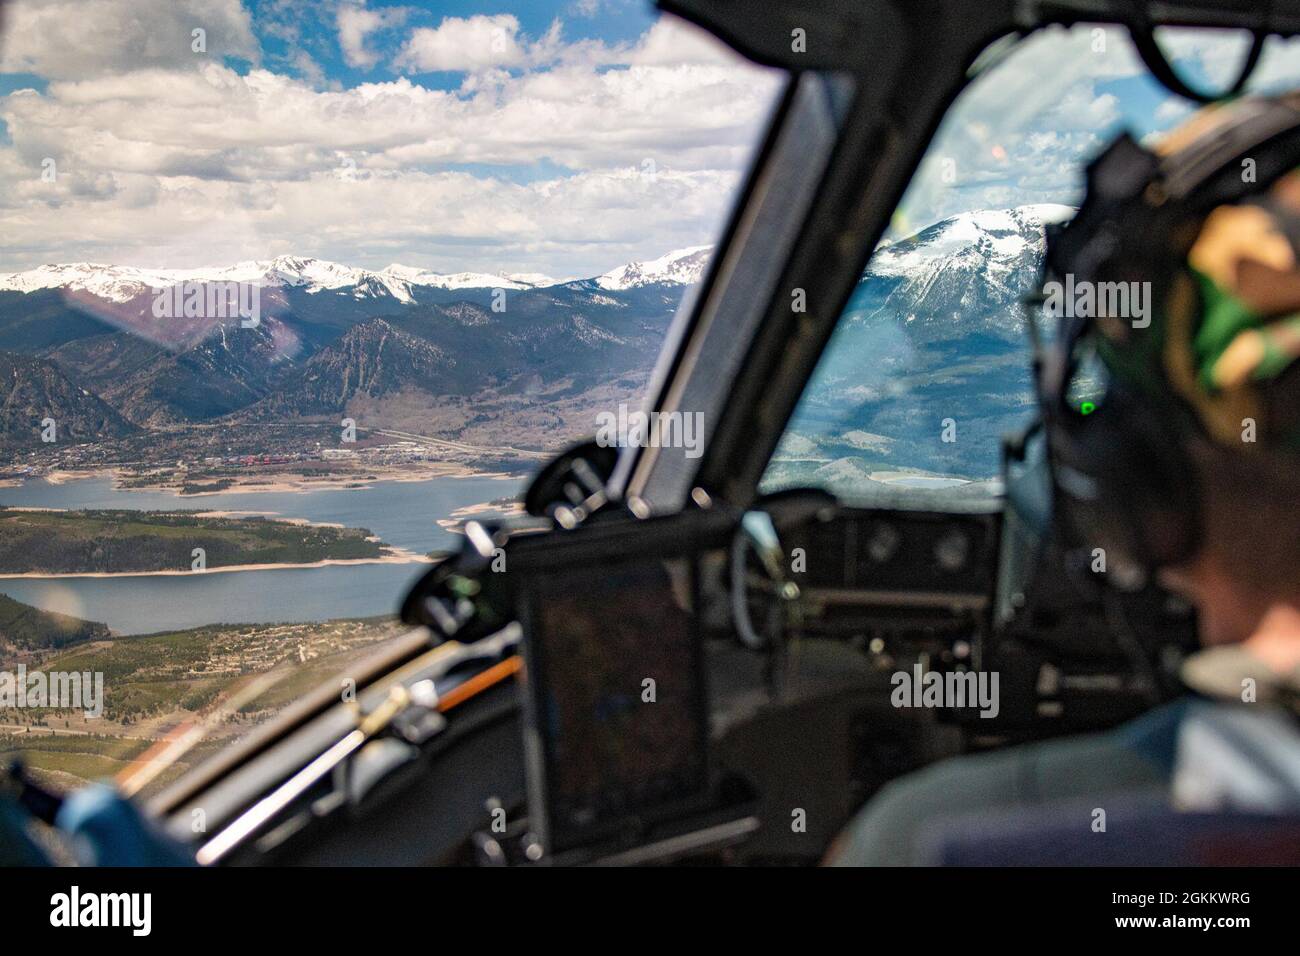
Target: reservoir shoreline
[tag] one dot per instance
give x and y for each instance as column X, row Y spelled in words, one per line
column 405, row 557
column 406, row 515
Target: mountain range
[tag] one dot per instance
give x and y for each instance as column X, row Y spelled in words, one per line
column 934, row 331
column 467, row 356
column 123, row 283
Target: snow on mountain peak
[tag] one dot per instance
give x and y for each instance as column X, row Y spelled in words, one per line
column 123, row 283
column 538, row 280
column 120, row 284
column 679, row 267
column 468, row 280
column 1000, row 235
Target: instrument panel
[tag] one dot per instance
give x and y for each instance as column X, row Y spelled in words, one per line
column 895, row 560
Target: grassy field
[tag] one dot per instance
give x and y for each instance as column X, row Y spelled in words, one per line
column 65, row 762
column 154, row 683
column 98, row 542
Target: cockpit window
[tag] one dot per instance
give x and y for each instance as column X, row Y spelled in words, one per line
column 290, row 291
column 929, row 364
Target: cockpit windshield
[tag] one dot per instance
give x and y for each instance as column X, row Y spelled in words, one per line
column 288, row 294
column 929, row 364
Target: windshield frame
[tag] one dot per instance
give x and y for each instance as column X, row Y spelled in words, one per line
column 888, row 115
column 904, row 82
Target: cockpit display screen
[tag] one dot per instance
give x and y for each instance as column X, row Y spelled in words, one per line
column 618, row 725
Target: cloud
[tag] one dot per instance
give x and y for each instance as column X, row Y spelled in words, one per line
column 1173, row 111
column 80, row 39
column 1024, row 130
column 473, row 43
column 667, row 42
column 1279, row 67
column 577, row 225
column 699, row 114
column 356, row 23
column 584, row 156
column 307, row 68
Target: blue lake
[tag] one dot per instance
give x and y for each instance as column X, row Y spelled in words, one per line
column 404, row 514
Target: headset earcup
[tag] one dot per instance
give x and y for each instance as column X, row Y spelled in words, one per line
column 1126, row 484
column 1155, row 483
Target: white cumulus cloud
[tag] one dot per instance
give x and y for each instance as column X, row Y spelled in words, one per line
column 464, row 43
column 79, row 39
column 581, row 157
column 356, row 23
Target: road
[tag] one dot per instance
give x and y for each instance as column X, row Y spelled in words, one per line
column 455, row 445
column 63, row 732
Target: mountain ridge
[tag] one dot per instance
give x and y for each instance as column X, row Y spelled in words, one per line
column 939, row 311
column 120, row 284
column 35, row 395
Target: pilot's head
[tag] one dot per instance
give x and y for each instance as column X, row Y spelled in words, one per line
column 1174, row 407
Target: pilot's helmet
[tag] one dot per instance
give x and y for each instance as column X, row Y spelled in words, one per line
column 1224, row 338
column 1187, row 330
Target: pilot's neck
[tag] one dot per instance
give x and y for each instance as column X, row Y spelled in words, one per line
column 1276, row 638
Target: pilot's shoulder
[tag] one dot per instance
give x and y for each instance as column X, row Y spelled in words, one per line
column 890, row 829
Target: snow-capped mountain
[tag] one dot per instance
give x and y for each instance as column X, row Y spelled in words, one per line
column 680, row 267
column 407, row 277
column 999, row 243
column 967, row 273
column 999, row 239
column 934, row 330
column 123, row 283
column 326, row 335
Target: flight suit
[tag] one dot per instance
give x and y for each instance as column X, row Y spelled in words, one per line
column 1210, row 752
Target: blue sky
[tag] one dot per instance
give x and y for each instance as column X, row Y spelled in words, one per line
column 607, row 21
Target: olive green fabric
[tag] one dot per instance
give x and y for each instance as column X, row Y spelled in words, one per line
column 1230, row 672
